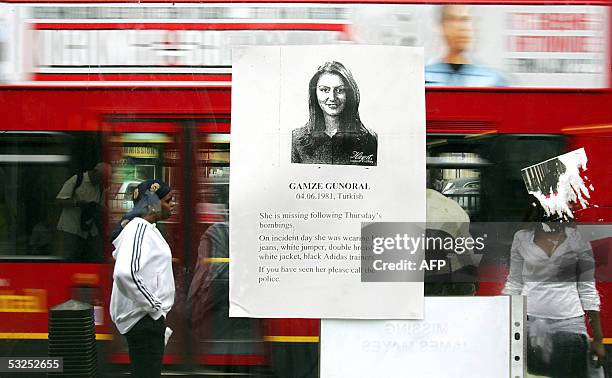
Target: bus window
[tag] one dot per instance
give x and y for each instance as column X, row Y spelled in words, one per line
column 504, row 195
column 483, row 174
column 36, row 167
column 461, row 184
column 137, row 157
column 454, row 165
column 213, row 178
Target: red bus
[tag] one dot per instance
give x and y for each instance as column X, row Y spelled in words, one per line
column 147, row 88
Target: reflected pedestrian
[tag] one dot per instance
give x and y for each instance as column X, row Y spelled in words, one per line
column 80, row 223
column 554, row 268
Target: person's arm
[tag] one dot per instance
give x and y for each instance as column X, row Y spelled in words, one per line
column 464, row 264
column 201, row 276
column 597, row 347
column 514, row 283
column 130, row 264
column 587, row 291
column 64, row 198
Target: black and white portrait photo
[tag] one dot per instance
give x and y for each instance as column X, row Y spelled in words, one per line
column 334, row 133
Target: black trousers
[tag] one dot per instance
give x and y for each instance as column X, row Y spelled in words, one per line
column 146, row 345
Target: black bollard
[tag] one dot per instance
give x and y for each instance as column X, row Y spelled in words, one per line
column 72, row 336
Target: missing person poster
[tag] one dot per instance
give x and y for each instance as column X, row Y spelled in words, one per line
column 323, row 139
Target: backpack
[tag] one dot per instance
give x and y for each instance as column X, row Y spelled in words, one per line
column 78, row 183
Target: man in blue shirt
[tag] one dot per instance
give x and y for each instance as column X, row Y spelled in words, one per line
column 456, row 69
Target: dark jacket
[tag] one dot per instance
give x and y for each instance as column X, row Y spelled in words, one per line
column 359, row 147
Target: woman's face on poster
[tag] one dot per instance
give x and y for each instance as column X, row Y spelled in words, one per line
column 331, row 94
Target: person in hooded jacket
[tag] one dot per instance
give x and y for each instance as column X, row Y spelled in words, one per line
column 143, row 287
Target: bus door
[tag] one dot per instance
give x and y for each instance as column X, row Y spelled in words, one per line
column 141, row 148
column 276, row 347
column 219, row 342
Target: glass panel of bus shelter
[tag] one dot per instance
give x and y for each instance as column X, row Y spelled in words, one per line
column 460, row 163
column 151, row 150
column 277, row 347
